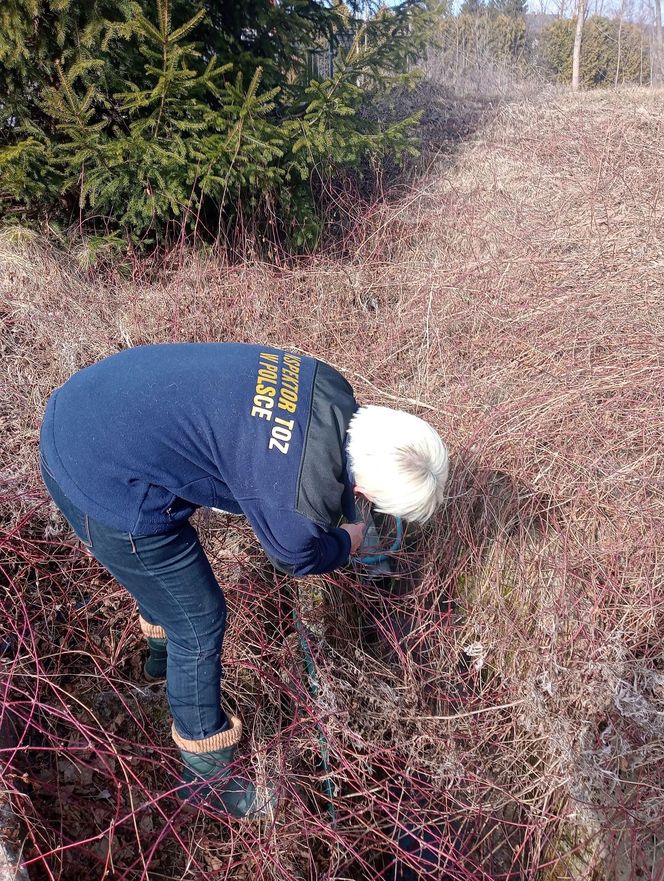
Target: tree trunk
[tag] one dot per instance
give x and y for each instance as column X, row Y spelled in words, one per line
column 620, row 25
column 658, row 67
column 576, row 58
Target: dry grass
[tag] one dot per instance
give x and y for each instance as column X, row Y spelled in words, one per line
column 515, row 298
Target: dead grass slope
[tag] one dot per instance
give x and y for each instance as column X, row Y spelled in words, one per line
column 515, row 299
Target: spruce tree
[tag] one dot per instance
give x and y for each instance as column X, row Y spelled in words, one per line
column 139, row 124
column 36, row 35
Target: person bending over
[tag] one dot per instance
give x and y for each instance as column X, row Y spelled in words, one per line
column 132, row 445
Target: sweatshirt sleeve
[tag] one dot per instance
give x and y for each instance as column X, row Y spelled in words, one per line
column 295, row 544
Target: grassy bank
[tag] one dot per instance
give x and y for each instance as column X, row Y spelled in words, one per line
column 515, row 299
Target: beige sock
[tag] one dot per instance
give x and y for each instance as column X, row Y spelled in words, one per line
column 222, row 740
column 153, row 630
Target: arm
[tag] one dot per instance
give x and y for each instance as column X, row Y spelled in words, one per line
column 295, row 544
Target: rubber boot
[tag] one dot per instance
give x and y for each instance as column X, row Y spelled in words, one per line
column 209, row 780
column 154, row 668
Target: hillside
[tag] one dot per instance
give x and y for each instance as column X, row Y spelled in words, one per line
column 499, row 716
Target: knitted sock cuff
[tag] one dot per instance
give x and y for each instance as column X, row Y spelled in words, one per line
column 221, row 740
column 153, row 630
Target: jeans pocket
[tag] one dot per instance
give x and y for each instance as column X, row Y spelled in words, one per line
column 79, row 522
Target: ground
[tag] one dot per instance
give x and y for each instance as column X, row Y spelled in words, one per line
column 500, row 714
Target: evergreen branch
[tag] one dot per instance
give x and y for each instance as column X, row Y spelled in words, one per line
column 184, row 29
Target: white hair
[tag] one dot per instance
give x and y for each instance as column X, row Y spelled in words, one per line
column 398, row 461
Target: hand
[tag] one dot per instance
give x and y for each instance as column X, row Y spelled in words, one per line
column 356, row 532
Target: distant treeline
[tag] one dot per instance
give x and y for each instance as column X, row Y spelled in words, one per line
column 614, row 51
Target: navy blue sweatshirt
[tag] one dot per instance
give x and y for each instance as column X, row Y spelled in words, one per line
column 141, row 439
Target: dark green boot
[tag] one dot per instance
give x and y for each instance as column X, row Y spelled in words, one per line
column 209, row 780
column 154, row 668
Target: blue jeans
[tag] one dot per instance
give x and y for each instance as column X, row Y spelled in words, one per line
column 171, row 579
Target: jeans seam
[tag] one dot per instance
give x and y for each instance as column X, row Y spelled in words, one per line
column 86, row 523
column 44, row 465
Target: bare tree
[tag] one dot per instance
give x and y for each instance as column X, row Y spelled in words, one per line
column 576, row 58
column 560, row 7
column 658, row 67
column 620, row 27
